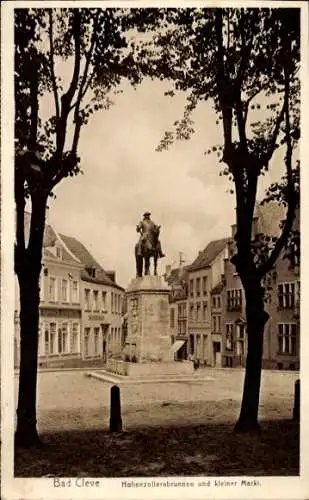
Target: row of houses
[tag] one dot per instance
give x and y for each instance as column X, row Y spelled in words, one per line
column 81, row 306
column 207, row 304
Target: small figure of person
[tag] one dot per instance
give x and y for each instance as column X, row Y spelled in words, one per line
column 146, row 227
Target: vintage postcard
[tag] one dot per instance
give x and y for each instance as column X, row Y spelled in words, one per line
column 154, row 195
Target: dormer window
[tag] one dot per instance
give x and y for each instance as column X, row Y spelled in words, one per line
column 58, row 252
column 91, row 271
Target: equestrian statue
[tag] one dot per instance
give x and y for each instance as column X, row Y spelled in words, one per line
column 148, row 246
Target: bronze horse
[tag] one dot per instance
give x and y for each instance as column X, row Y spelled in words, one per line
column 149, row 248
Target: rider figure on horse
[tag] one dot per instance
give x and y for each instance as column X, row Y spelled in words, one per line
column 146, row 228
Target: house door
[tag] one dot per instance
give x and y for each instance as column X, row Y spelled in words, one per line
column 217, row 354
column 104, row 342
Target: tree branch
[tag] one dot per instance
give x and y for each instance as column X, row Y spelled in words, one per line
column 241, row 125
column 34, row 102
column 291, row 194
column 274, row 136
column 84, row 84
column 87, row 85
column 68, row 96
column 223, row 87
column 52, row 65
column 245, row 51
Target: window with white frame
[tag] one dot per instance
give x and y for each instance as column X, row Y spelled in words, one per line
column 204, row 285
column 229, row 336
column 287, row 338
column 198, row 311
column 96, row 333
column 216, row 301
column 75, row 338
column 64, row 290
column 95, row 300
column 112, row 302
column 191, row 311
column 234, row 299
column 287, row 295
column 240, row 339
column 191, row 286
column 198, row 286
column 52, row 289
column 52, row 337
column 63, row 338
column 41, row 285
column 75, row 291
column 46, row 339
column 87, row 299
column 216, row 324
column 204, row 311
column 104, row 295
column 86, row 341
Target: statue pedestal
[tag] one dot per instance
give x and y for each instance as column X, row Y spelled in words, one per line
column 148, row 320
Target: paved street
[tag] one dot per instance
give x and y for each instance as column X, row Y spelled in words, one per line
column 71, row 400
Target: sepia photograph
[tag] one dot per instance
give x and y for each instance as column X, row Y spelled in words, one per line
column 151, row 250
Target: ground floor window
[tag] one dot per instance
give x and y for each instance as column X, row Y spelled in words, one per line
column 287, row 338
column 59, row 337
column 75, row 338
column 205, row 347
column 198, row 347
column 229, row 336
column 63, row 338
column 191, row 347
column 86, row 341
column 52, row 338
column 96, row 333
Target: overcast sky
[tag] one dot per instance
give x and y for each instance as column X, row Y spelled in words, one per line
column 124, row 176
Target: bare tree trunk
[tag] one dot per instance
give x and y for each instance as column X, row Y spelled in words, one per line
column 256, row 319
column 26, row 432
column 28, row 269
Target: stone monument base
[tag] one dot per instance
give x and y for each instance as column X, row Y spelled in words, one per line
column 149, row 369
column 148, row 339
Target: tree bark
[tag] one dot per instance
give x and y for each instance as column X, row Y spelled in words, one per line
column 256, row 319
column 28, row 268
column 26, row 432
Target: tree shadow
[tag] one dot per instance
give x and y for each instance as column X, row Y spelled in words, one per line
column 199, row 450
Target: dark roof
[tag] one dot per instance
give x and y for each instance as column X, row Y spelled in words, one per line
column 217, row 289
column 81, row 252
column 208, row 255
column 177, row 276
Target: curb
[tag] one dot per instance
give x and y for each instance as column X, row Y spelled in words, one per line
column 119, row 379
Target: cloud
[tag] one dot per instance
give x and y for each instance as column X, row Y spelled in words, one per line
column 124, row 176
